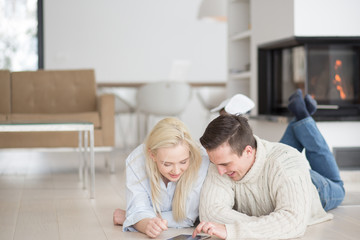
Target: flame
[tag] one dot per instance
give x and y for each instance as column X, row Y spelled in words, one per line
column 338, row 64
column 341, row 91
column 338, row 80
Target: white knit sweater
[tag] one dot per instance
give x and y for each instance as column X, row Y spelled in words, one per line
column 274, row 200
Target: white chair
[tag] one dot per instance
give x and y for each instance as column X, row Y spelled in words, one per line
column 165, row 98
column 211, row 97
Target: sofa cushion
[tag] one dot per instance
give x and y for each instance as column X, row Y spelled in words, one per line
column 62, row 91
column 4, row 91
column 74, row 117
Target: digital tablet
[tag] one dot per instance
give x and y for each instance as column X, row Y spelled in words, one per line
column 188, row 237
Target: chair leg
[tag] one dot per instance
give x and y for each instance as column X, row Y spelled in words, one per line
column 112, row 160
column 141, row 127
column 106, row 163
column 146, row 127
column 122, row 133
column 81, row 159
column 109, row 159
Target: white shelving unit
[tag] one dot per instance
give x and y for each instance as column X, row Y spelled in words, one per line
column 239, row 43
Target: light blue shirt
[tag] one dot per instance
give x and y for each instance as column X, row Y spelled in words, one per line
column 138, row 193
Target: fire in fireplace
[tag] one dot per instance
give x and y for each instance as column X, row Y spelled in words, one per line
column 326, row 68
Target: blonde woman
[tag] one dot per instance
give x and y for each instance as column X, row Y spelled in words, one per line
column 163, row 181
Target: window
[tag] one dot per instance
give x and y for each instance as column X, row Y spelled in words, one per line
column 21, row 35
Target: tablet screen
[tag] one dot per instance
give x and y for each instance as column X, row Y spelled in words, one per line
column 188, row 237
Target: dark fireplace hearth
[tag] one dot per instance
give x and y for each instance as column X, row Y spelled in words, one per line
column 327, row 68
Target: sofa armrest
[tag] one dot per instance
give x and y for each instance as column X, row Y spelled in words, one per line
column 106, row 106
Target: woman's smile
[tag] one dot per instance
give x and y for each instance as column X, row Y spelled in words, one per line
column 174, row 176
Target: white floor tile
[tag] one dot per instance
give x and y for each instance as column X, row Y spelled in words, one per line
column 41, row 197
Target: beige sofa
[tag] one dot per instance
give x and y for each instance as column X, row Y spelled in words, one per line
column 54, row 96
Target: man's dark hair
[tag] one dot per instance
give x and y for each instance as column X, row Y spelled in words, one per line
column 233, row 129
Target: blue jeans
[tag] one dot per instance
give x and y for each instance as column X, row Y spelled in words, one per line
column 324, row 171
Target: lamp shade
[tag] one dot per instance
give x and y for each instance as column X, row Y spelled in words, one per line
column 213, row 9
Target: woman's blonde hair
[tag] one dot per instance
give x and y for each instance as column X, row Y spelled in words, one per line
column 170, row 132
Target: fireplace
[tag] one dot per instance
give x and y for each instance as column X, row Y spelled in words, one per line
column 327, row 68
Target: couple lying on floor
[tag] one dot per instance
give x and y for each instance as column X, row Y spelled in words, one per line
column 240, row 186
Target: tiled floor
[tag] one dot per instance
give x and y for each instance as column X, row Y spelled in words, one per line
column 41, row 197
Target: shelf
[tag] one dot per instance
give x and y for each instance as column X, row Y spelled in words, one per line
column 239, row 43
column 242, row 75
column 242, row 35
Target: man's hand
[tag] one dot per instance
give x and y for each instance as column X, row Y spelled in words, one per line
column 211, row 228
column 119, row 216
column 152, row 226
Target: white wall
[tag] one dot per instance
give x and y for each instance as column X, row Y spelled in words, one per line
column 327, row 18
column 133, row 40
column 278, row 19
column 271, row 20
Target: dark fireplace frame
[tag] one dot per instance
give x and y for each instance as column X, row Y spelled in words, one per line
column 267, row 90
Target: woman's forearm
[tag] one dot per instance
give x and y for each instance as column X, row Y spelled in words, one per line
column 141, row 225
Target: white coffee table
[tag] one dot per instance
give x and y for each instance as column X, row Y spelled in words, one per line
column 83, row 128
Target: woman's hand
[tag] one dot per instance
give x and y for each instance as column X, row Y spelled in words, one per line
column 211, row 228
column 152, row 227
column 119, row 216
